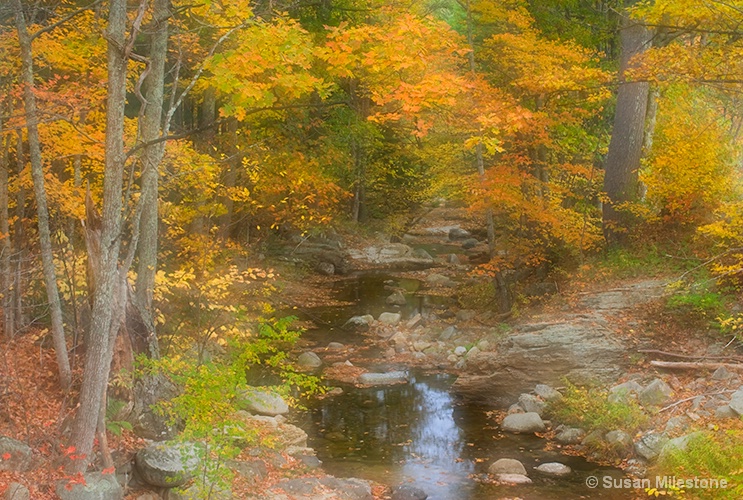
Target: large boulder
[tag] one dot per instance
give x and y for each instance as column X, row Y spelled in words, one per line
column 17, row 491
column 309, row 359
column 150, row 390
column 14, row 455
column 389, row 318
column 393, row 256
column 261, row 402
column 622, row 393
column 507, row 466
column 655, row 393
column 457, row 233
column 531, row 403
column 168, row 465
column 94, row 486
column 523, row 422
column 396, row 299
column 679, row 444
column 582, row 348
column 650, row 445
column 361, row 323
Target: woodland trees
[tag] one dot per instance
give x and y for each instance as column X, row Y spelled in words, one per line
column 204, row 130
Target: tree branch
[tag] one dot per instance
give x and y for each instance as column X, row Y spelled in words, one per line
column 66, row 18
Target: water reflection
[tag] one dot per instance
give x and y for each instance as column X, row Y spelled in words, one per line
column 416, row 434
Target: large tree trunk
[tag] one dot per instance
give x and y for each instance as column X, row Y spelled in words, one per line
column 626, row 146
column 152, row 156
column 99, row 350
column 37, row 172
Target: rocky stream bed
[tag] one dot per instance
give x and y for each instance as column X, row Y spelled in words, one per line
column 430, row 400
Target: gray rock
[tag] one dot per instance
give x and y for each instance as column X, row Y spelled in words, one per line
column 435, row 279
column 168, row 464
column 515, row 408
column 457, row 233
column 408, row 492
column 554, row 469
column 650, row 445
column 14, row 455
column 736, row 402
column 619, row 440
column 570, row 435
column 324, row 488
column 97, row 486
column 655, row 393
column 507, row 466
column 722, row 373
column 325, row 268
column 17, row 491
column 310, row 461
column 422, row 254
column 460, row 350
column 593, row 439
column 393, row 256
column 372, row 378
column 635, row 467
column 547, row 393
column 466, row 314
column 412, row 322
column 513, row 479
column 624, row 392
column 388, row 318
column 448, row 333
column 396, row 299
column 348, row 488
column 677, row 424
column 309, row 359
column 335, row 346
column 679, row 444
column 453, row 259
column 578, row 349
column 470, row 243
column 361, row 323
column 474, row 351
column 532, row 403
column 262, row 402
column 523, row 422
column 725, row 411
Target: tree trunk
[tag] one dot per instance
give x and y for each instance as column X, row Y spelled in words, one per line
column 625, row 148
column 99, row 352
column 37, row 172
column 5, row 248
column 151, row 127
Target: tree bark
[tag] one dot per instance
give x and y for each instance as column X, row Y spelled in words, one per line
column 151, row 127
column 625, row 148
column 5, row 248
column 99, row 352
column 37, row 172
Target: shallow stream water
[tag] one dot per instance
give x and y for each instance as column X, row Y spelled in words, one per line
column 419, row 433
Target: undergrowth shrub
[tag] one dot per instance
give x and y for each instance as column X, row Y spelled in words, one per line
column 589, row 409
column 709, row 455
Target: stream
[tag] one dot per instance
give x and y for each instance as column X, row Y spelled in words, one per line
column 419, row 433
